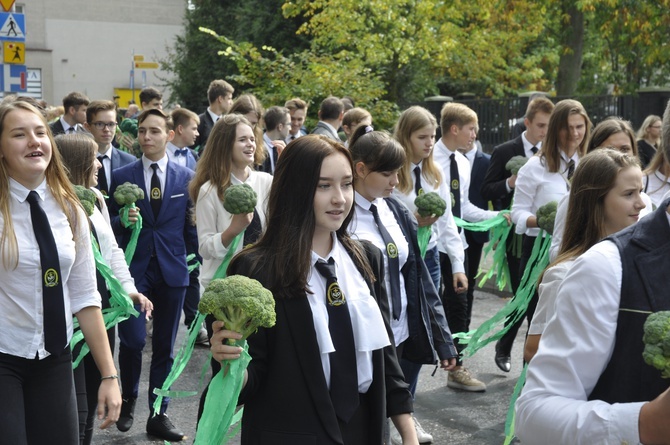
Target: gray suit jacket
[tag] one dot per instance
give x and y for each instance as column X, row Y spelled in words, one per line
column 325, row 130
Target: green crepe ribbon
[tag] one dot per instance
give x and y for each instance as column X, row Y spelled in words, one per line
column 482, row 226
column 516, row 307
column 192, row 266
column 221, row 401
column 136, row 227
column 423, row 235
column 509, row 422
column 186, row 351
column 121, row 306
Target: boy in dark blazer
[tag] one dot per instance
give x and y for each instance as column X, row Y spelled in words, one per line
column 158, row 266
column 101, row 123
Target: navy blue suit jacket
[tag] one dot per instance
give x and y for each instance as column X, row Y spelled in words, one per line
column 479, row 168
column 164, row 237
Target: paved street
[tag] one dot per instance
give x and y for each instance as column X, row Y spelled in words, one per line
column 452, row 417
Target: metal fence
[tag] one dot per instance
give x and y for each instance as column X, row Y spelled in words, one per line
column 498, row 116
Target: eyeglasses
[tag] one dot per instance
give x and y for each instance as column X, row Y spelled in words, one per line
column 102, row 125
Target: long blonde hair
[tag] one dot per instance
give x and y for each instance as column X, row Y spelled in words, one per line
column 551, row 150
column 57, row 182
column 411, row 120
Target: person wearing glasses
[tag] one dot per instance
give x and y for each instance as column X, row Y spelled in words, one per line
column 648, row 137
column 101, row 123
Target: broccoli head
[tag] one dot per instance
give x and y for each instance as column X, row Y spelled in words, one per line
column 657, row 342
column 128, row 193
column 129, row 126
column 515, row 164
column 428, row 204
column 87, row 198
column 546, row 215
column 242, row 303
column 240, row 198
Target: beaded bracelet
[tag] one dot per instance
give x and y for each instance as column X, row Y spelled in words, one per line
column 109, row 377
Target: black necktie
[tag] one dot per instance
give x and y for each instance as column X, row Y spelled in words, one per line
column 55, row 331
column 571, row 169
column 156, row 195
column 253, row 230
column 417, row 180
column 343, row 369
column 394, row 263
column 534, row 149
column 275, row 156
column 102, row 176
column 455, row 187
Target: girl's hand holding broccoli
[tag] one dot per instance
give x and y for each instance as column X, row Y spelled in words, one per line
column 220, row 348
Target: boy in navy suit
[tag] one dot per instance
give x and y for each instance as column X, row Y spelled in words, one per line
column 158, row 266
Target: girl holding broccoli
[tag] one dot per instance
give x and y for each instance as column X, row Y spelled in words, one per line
column 415, row 130
column 417, row 317
column 48, row 274
column 79, row 154
column 327, row 372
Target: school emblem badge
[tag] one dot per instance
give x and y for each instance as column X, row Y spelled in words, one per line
column 392, row 250
column 335, row 295
column 454, row 184
column 155, row 193
column 51, row 278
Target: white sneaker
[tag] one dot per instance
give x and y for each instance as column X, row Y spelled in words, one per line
column 461, row 379
column 149, row 325
column 421, row 434
column 395, row 435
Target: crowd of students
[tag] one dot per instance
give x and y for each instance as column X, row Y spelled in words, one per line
column 331, row 214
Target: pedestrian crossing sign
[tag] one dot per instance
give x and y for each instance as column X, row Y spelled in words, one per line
column 13, row 26
column 14, row 52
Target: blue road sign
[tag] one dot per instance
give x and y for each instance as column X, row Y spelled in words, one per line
column 13, row 78
column 12, row 26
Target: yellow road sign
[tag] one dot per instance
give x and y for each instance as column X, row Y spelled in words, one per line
column 146, row 65
column 14, row 52
column 138, row 58
column 7, row 5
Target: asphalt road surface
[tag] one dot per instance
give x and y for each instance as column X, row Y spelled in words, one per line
column 451, row 416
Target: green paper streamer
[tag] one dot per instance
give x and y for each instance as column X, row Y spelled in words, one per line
column 192, row 266
column 509, row 422
column 221, row 402
column 179, row 364
column 423, row 235
column 135, row 234
column 516, row 307
column 221, row 271
column 498, row 240
column 485, row 225
column 121, row 306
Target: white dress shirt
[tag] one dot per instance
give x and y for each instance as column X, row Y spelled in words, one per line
column 161, row 171
column 547, row 290
column 291, row 137
column 21, row 311
column 268, row 151
column 656, row 185
column 576, row 347
column 363, row 227
column 212, row 220
column 215, row 117
column 528, row 152
column 444, row 231
column 469, row 211
column 366, row 319
column 109, row 249
column 535, row 187
column 562, row 216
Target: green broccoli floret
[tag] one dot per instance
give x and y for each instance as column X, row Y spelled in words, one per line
column 428, row 204
column 239, row 199
column 87, row 198
column 515, row 164
column 546, row 215
column 242, row 303
column 129, row 126
column 127, row 194
column 657, row 342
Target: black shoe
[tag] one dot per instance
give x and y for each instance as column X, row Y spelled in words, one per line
column 503, row 360
column 126, row 416
column 160, row 426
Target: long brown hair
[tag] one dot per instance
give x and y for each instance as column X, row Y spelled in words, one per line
column 216, row 162
column 57, row 181
column 284, row 251
column 78, row 152
column 551, row 150
column 413, row 119
column 248, row 103
column 595, row 176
